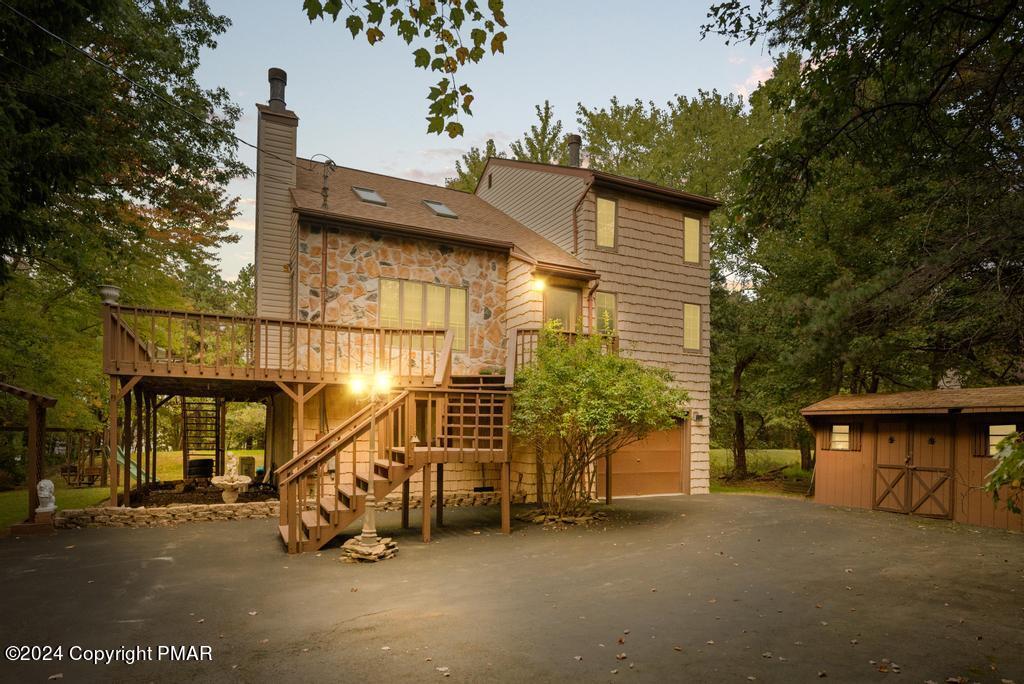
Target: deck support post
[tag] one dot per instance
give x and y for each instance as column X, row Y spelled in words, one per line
column 147, row 437
column 607, row 480
column 126, row 437
column 405, row 505
column 112, row 440
column 140, row 422
column 36, row 448
column 506, row 496
column 426, row 503
column 184, row 440
column 440, row 495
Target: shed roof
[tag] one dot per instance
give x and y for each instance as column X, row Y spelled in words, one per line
column 478, row 222
column 973, row 400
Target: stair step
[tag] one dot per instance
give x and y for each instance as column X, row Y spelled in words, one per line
column 283, row 530
column 310, row 520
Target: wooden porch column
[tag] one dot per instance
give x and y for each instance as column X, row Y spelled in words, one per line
column 140, row 423
column 112, row 440
column 426, row 503
column 405, row 505
column 126, row 437
column 440, row 495
column 506, row 496
column 300, row 416
column 184, row 440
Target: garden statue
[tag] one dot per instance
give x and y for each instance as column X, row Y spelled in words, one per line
column 231, row 483
column 47, row 501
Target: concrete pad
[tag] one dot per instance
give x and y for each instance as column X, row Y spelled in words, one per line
column 709, row 588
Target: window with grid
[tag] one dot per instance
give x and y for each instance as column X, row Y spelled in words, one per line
column 605, row 313
column 996, row 434
column 412, row 304
column 839, row 438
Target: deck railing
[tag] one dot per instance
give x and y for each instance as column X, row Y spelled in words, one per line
column 170, row 343
column 522, row 349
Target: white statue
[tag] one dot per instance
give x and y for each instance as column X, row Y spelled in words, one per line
column 47, row 501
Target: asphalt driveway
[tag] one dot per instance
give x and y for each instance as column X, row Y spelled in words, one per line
column 713, row 588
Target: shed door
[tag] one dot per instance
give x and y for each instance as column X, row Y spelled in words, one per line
column 914, row 467
column 891, row 464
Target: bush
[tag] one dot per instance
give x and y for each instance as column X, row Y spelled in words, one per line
column 1006, row 478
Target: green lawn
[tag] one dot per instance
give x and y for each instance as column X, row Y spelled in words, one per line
column 14, row 504
column 759, row 462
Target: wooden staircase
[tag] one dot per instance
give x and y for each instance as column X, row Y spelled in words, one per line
column 324, row 489
column 202, row 431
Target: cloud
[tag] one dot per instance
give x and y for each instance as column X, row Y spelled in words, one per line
column 242, row 224
column 736, row 59
column 758, row 74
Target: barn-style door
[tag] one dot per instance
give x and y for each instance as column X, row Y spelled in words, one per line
column 914, row 468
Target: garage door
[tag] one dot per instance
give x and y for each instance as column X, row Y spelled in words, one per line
column 656, row 465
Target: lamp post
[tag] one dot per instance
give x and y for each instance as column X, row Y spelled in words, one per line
column 381, row 385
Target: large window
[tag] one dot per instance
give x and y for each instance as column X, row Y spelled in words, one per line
column 691, row 327
column 996, row 434
column 606, row 222
column 411, row 304
column 605, row 312
column 691, row 240
column 562, row 304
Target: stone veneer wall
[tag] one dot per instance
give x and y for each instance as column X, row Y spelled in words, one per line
column 163, row 516
column 338, row 280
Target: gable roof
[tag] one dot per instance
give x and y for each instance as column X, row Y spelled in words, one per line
column 478, row 223
column 615, row 182
column 974, row 400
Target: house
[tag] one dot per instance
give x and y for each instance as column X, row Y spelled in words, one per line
column 440, row 294
column 924, row 453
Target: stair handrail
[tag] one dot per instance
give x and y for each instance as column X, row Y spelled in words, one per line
column 324, row 440
column 443, row 370
column 341, row 442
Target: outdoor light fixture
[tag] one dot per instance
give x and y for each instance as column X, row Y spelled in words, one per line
column 382, row 382
column 538, row 284
column 357, row 385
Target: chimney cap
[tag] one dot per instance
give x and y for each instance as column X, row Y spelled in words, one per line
column 277, row 73
column 573, row 141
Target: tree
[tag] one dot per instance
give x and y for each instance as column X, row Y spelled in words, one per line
column 919, row 145
column 1005, row 480
column 469, row 169
column 585, row 404
column 544, row 142
column 437, row 28
column 246, row 425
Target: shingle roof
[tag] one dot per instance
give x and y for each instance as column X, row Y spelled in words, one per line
column 478, row 222
column 974, row 400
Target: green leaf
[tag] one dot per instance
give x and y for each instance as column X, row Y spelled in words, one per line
column 435, row 124
column 374, row 12
column 314, row 10
column 454, row 129
column 354, row 24
column 422, row 58
column 498, row 42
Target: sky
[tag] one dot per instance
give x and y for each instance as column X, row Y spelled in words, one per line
column 364, row 106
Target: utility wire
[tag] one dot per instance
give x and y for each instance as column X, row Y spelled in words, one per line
column 152, row 91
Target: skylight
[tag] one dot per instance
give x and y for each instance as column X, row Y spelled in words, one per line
column 370, row 196
column 441, row 209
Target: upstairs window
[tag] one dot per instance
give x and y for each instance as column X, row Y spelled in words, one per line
column 562, row 304
column 441, row 209
column 369, row 196
column 691, row 327
column 607, row 211
column 605, row 312
column 996, row 434
column 410, row 304
column 691, row 240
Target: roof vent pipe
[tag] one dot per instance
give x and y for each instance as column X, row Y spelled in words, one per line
column 278, row 80
column 573, row 143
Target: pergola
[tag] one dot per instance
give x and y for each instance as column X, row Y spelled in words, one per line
column 37, row 405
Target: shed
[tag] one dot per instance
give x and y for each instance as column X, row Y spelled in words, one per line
column 925, row 453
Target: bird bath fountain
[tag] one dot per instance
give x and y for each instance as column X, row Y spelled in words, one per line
column 231, row 483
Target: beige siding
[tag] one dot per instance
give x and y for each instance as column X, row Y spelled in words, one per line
column 525, row 305
column 651, row 282
column 541, row 201
column 274, row 225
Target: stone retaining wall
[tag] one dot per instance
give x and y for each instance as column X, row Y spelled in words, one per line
column 167, row 516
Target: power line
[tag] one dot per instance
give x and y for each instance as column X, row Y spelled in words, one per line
column 152, row 91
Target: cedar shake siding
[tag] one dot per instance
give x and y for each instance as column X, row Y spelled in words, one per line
column 539, row 200
column 651, row 281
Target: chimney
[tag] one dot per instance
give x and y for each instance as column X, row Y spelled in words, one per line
column 573, row 142
column 275, row 177
column 278, row 80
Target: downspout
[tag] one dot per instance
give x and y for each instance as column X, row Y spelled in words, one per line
column 575, row 227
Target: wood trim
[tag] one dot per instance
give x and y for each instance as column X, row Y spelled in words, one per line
column 127, row 387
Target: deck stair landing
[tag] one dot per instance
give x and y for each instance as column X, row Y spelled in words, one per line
column 324, row 488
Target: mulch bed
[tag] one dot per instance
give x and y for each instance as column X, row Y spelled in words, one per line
column 202, row 495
